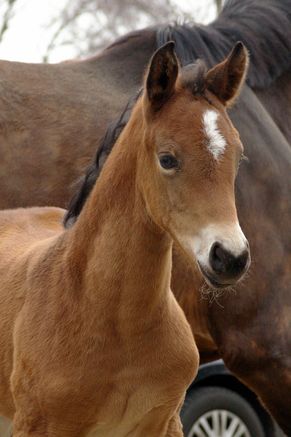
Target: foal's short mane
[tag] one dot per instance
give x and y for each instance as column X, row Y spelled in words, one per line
column 264, row 26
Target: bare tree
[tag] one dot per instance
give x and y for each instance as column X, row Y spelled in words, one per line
column 91, row 24
column 88, row 25
column 6, row 11
column 219, row 4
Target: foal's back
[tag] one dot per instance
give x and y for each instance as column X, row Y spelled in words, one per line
column 22, row 229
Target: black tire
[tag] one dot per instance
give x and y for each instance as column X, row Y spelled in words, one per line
column 203, row 399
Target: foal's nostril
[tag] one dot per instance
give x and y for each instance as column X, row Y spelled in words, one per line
column 242, row 260
column 218, row 258
column 224, row 263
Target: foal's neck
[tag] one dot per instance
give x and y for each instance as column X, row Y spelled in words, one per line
column 125, row 256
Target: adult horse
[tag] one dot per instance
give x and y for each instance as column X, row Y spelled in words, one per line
column 53, row 115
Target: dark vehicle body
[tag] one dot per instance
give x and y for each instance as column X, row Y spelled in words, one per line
column 217, row 403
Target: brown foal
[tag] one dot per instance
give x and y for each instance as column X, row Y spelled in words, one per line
column 92, row 338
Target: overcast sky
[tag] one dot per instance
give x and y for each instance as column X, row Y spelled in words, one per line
column 28, row 34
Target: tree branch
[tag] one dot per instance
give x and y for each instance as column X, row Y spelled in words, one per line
column 6, row 18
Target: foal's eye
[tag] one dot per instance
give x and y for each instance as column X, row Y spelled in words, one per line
column 168, row 162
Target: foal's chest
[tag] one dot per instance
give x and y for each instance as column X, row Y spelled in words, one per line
column 137, row 396
column 150, row 377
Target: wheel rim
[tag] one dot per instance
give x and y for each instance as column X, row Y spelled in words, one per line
column 219, row 423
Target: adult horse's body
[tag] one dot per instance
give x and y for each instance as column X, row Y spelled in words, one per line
column 70, row 364
column 52, row 116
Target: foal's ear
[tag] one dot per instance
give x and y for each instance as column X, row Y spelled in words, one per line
column 226, row 79
column 162, row 75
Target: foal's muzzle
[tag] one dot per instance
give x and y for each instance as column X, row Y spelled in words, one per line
column 225, row 268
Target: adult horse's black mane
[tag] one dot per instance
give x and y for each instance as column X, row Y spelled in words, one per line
column 264, row 26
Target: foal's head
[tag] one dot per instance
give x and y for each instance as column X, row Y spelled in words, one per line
column 190, row 157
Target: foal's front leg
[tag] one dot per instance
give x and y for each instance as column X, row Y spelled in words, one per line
column 175, row 428
column 31, row 420
column 22, row 427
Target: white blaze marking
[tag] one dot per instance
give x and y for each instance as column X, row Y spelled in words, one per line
column 216, row 142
